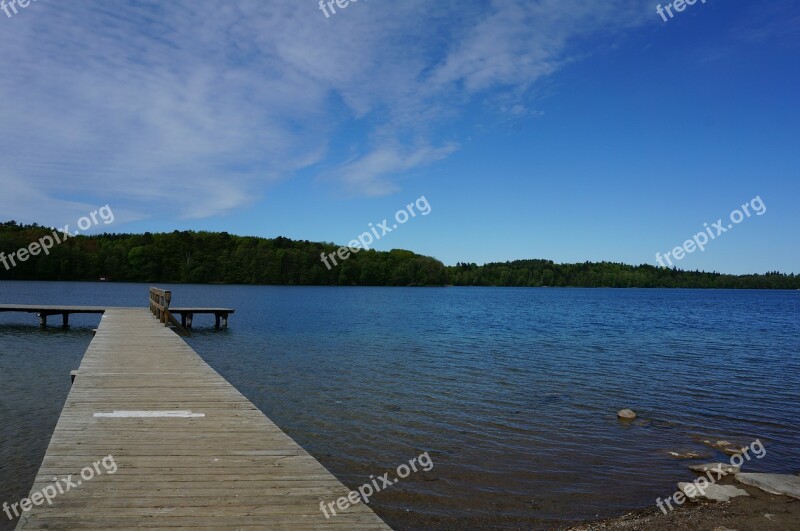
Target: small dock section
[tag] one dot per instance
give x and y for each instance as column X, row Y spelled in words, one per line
column 160, row 301
column 189, row 449
column 159, row 305
column 43, row 312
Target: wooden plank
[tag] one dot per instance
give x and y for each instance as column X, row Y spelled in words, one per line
column 232, row 467
column 201, row 310
column 50, row 309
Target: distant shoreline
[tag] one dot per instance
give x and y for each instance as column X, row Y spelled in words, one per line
column 170, row 282
column 190, row 257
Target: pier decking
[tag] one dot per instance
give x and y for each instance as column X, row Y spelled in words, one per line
column 160, row 301
column 191, row 451
column 44, row 311
column 187, row 315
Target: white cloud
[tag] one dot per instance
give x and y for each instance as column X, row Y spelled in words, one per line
column 194, row 108
column 368, row 174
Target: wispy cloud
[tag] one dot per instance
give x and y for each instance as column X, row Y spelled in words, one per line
column 194, row 108
column 371, row 173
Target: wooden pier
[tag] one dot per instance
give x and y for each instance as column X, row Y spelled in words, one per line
column 43, row 312
column 159, row 304
column 160, row 301
column 190, row 450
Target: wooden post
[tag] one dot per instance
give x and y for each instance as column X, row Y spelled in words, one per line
column 65, row 316
column 159, row 304
column 160, row 300
column 189, row 318
column 167, row 300
column 225, row 321
column 42, row 320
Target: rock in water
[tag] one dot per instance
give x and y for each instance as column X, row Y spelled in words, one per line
column 783, row 484
column 689, row 455
column 626, row 414
column 734, row 450
column 713, row 492
column 719, row 468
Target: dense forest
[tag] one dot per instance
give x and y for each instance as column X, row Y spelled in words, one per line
column 205, row 257
column 536, row 273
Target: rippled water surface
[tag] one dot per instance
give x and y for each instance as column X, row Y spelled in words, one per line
column 513, row 392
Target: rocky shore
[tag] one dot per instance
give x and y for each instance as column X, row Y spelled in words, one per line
column 721, row 498
column 757, row 511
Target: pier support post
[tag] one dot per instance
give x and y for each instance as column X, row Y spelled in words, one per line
column 189, row 319
column 66, row 320
column 216, row 321
column 225, row 321
column 42, row 320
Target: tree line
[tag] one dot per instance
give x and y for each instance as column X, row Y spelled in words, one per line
column 219, row 257
column 210, row 257
column 545, row 273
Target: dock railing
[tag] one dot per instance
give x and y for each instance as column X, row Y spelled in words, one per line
column 159, row 303
column 159, row 306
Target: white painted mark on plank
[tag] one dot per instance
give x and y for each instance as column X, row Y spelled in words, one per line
column 149, row 415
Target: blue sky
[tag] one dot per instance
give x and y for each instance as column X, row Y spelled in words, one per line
column 561, row 129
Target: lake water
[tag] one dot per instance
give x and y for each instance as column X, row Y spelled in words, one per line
column 513, row 392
